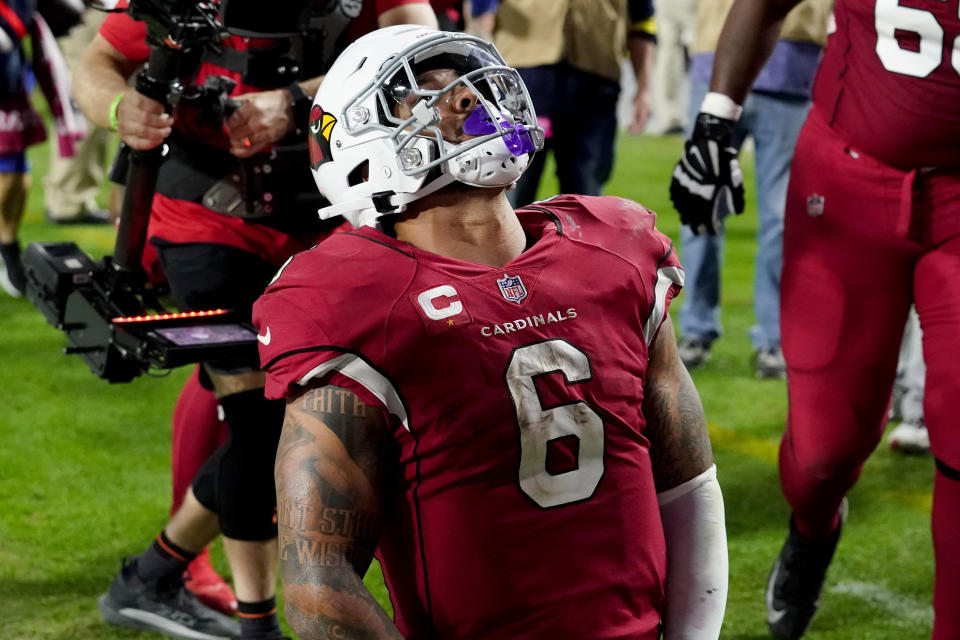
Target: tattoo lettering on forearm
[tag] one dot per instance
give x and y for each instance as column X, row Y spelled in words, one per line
column 307, row 518
column 330, row 400
column 332, row 473
column 310, row 553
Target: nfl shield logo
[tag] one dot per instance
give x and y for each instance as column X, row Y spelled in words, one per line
column 511, row 288
column 815, row 205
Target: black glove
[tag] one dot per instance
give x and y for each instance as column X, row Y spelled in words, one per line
column 707, row 183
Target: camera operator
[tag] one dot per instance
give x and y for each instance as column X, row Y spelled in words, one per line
column 221, row 228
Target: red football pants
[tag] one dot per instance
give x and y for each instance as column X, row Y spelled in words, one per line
column 197, row 432
column 861, row 242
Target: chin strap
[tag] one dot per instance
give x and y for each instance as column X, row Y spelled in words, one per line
column 382, row 203
column 489, row 164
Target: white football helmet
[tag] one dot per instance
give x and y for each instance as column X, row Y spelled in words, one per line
column 375, row 136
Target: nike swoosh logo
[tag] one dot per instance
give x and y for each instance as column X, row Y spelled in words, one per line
column 774, row 615
column 265, row 338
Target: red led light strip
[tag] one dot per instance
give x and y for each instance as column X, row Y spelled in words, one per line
column 169, row 316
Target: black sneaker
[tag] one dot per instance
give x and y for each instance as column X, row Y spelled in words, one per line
column 796, row 581
column 166, row 607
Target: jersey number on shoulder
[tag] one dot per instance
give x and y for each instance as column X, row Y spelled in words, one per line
column 539, row 426
column 889, row 17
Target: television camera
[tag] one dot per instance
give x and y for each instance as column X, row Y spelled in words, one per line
column 111, row 315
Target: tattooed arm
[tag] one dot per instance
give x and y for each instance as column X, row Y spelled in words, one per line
column 333, row 462
column 691, row 505
column 676, row 426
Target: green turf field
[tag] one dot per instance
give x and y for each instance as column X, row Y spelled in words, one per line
column 84, row 473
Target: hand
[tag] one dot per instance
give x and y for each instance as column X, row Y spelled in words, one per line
column 142, row 122
column 641, row 112
column 261, row 120
column 707, row 183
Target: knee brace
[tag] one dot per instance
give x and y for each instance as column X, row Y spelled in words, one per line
column 237, row 480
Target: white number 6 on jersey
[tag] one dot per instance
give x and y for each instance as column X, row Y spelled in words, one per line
column 539, row 426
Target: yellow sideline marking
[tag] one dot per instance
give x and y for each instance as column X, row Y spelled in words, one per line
column 766, row 449
column 763, row 449
column 918, row 500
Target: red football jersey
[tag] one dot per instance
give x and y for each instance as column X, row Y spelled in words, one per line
column 528, row 509
column 890, row 80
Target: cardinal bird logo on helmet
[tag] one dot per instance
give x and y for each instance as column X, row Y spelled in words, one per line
column 321, row 124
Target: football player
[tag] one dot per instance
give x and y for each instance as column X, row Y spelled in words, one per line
column 872, row 224
column 490, row 400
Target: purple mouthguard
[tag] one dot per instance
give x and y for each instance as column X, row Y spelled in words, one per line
column 517, row 136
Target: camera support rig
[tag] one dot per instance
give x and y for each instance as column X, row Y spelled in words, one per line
column 104, row 307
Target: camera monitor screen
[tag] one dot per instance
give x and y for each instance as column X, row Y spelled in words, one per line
column 248, row 18
column 207, row 334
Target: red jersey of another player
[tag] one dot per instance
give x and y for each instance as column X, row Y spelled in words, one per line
column 527, row 508
column 890, row 80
